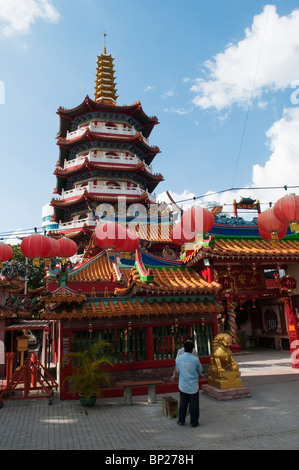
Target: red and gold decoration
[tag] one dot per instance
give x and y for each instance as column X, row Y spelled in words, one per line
column 288, row 284
column 67, row 248
column 194, row 224
column 269, row 223
column 6, row 253
column 36, row 246
column 112, row 236
column 286, row 209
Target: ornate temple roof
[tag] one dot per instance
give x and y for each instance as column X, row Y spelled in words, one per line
column 88, row 105
column 246, row 250
column 64, row 203
column 99, row 269
column 118, row 308
column 173, row 281
column 89, row 136
column 136, row 168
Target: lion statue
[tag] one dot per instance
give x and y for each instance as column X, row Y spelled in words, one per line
column 222, row 358
column 224, row 371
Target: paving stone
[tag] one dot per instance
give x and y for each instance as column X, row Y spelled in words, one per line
column 266, row 420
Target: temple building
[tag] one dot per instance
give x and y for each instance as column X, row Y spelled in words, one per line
column 145, row 301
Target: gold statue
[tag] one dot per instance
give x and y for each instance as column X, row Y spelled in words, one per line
column 224, row 371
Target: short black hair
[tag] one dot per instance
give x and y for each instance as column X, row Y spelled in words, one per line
column 188, row 346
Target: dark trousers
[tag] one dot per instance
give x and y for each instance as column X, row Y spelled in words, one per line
column 185, row 400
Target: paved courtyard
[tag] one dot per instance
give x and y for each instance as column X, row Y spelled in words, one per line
column 266, row 420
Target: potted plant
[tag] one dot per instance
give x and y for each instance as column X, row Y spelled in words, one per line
column 90, row 374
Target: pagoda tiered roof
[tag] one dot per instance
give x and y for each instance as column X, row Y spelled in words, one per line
column 88, row 105
column 137, row 168
column 89, row 136
column 85, row 196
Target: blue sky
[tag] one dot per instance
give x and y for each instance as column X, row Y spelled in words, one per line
column 221, row 76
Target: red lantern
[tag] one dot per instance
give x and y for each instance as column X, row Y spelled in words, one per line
column 288, row 283
column 6, row 252
column 110, row 236
column 197, row 220
column 55, row 248
column 67, row 247
column 35, row 246
column 179, row 235
column 53, row 251
column 286, row 209
column 268, row 222
column 268, row 236
column 131, row 243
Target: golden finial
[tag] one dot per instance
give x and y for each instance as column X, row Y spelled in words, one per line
column 105, row 34
column 105, row 83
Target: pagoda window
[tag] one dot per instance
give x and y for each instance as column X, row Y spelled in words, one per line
column 131, row 185
column 82, row 216
column 113, row 185
column 110, row 125
column 111, row 155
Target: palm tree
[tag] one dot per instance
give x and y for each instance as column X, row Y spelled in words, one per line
column 90, row 374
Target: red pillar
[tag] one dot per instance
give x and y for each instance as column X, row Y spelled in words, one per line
column 293, row 333
column 149, row 344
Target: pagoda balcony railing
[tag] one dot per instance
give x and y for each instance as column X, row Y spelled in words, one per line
column 90, row 187
column 102, row 157
column 73, row 224
column 103, row 129
column 116, row 190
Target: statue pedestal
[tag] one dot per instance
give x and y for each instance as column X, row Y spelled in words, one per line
column 225, row 379
column 226, row 394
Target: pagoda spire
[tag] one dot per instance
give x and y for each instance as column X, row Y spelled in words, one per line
column 105, row 80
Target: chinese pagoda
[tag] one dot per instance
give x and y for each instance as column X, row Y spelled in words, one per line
column 104, row 160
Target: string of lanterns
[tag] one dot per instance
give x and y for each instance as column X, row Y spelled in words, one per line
column 273, row 223
column 194, row 221
column 37, row 246
column 113, row 236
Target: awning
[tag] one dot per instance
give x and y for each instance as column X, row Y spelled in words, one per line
column 29, row 325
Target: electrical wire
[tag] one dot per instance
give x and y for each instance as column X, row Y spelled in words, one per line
column 251, row 95
column 24, row 232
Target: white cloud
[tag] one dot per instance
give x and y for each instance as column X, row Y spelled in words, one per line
column 149, row 88
column 180, row 111
column 283, row 165
column 281, row 169
column 168, row 94
column 184, row 200
column 17, row 16
column 266, row 59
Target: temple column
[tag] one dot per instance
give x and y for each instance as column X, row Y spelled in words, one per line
column 232, row 324
column 149, row 343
